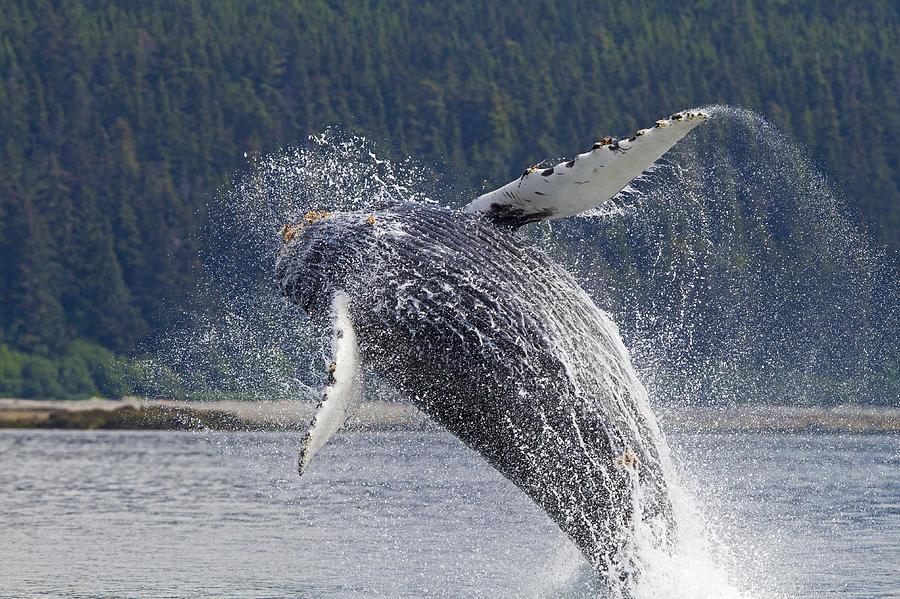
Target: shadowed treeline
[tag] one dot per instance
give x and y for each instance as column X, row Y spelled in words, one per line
column 121, row 120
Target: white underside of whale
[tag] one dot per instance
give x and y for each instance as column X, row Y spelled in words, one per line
column 591, row 178
column 345, row 384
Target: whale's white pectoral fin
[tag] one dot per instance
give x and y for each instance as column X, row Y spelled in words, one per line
column 345, row 383
column 587, row 181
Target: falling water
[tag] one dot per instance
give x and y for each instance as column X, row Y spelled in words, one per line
column 737, row 276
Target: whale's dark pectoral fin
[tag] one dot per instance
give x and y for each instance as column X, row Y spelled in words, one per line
column 587, row 181
column 345, row 383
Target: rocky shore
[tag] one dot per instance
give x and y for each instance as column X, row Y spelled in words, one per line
column 153, row 414
column 140, row 414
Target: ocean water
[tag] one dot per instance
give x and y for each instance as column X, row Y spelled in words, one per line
column 412, row 514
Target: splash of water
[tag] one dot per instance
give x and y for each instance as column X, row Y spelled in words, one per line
column 243, row 341
column 736, row 275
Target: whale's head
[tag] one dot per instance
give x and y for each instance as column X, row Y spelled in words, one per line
column 322, row 254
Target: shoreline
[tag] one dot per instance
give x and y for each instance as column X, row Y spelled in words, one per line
column 158, row 414
column 229, row 415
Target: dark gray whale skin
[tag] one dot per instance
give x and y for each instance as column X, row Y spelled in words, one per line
column 501, row 347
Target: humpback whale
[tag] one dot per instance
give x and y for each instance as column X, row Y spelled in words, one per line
column 495, row 342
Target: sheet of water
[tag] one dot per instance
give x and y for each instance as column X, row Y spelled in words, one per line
column 409, row 514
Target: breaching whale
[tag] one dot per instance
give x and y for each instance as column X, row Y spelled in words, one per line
column 495, row 342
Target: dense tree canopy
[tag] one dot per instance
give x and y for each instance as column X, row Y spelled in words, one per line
column 121, row 119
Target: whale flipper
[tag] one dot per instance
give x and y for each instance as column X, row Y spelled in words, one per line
column 587, row 181
column 345, row 383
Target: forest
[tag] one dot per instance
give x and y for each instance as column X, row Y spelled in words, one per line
column 121, row 120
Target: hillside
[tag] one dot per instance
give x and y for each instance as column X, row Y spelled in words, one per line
column 121, row 121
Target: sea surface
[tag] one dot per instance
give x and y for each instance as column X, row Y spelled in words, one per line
column 411, row 514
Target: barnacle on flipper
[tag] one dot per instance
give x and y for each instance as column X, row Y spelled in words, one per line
column 530, row 170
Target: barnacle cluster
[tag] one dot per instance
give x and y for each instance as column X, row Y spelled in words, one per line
column 628, row 459
column 288, row 232
column 606, row 141
column 677, row 117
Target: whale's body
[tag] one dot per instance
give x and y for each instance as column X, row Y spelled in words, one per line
column 491, row 339
column 500, row 346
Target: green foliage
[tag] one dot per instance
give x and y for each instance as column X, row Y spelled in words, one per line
column 84, row 370
column 40, row 377
column 150, row 379
column 121, row 119
column 10, row 372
